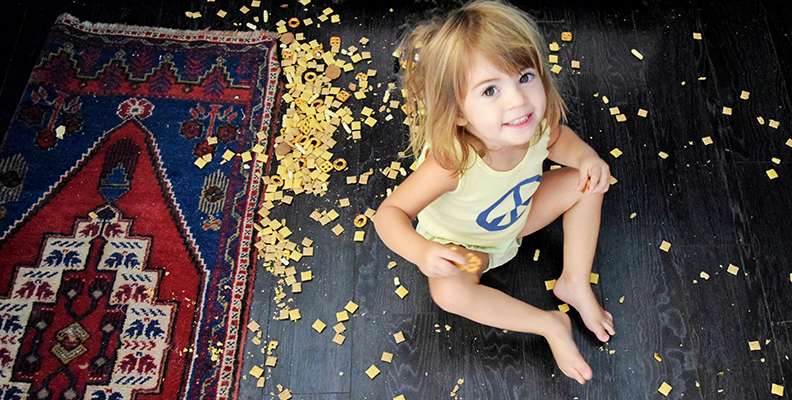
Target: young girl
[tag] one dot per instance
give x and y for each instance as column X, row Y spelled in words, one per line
column 486, row 116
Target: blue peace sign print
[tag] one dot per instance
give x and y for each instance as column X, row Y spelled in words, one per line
column 494, row 218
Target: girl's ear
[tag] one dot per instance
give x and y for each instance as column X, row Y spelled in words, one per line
column 460, row 119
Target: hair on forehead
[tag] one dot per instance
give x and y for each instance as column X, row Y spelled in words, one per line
column 438, row 56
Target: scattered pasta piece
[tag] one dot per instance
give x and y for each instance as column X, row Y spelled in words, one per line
column 616, row 153
column 636, row 54
column 665, row 389
column 256, row 371
column 575, row 64
column 554, row 46
column 777, row 390
column 342, row 316
column 556, row 69
column 733, row 269
column 339, row 339
column 663, row 155
column 704, row 275
column 549, row 285
column 755, row 345
column 745, row 95
column 552, row 59
column 387, row 357
column 614, row 111
column 372, row 372
column 566, row 36
column 621, row 118
column 696, row 35
column 594, row 278
column 402, row 291
column 319, row 326
column 771, row 173
column 657, row 357
column 773, row 124
column 398, row 337
column 707, row 140
column 727, row 110
column 359, row 236
column 665, row 246
column 351, row 307
column 642, row 113
column 563, row 307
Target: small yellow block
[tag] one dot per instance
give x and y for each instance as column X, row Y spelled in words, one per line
column 614, row 111
column 339, row 339
column 616, row 153
column 564, row 307
column 771, row 173
column 777, row 390
column 319, row 326
column 399, row 397
column 359, row 236
column 704, row 275
column 727, row 110
column 594, row 278
column 294, row 315
column 665, row 389
column 663, row 155
column 696, row 35
column 549, row 285
column 372, row 372
column 755, row 345
column 636, row 54
column 351, row 307
column 553, row 59
column 387, row 357
column 399, row 337
column 665, row 246
column 575, row 64
column 621, row 118
column 707, row 140
column 338, row 229
column 271, row 361
column 773, row 124
column 745, row 95
column 554, row 46
column 342, row 316
column 556, row 69
column 256, row 371
column 642, row 113
column 402, row 291
column 733, row 269
column 306, row 276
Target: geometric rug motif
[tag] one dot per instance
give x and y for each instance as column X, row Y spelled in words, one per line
column 124, row 268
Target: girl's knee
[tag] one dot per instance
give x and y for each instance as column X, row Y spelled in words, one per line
column 449, row 294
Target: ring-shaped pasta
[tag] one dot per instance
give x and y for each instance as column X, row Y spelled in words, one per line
column 309, row 76
column 276, row 180
column 301, row 163
column 313, row 142
column 360, row 221
column 339, row 164
column 294, row 22
column 317, row 103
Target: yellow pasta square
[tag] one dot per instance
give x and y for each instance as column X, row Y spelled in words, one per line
column 727, row 110
column 256, row 371
column 665, row 389
column 745, row 95
column 642, row 113
column 564, row 307
column 402, row 291
column 755, row 345
column 707, row 140
column 771, row 173
column 359, row 236
column 549, row 285
column 386, row 357
column 372, row 372
column 733, row 269
column 614, row 111
column 665, row 246
column 351, row 307
column 616, row 153
column 338, row 229
column 399, row 337
column 621, row 118
column 338, row 339
column 319, row 326
column 575, row 64
column 556, row 69
column 594, row 278
column 294, row 315
column 342, row 316
column 777, row 390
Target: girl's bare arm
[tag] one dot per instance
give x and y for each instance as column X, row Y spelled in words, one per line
column 394, row 220
column 568, row 149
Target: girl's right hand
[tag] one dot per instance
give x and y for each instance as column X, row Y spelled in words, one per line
column 438, row 261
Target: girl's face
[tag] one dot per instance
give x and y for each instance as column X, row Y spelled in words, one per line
column 501, row 109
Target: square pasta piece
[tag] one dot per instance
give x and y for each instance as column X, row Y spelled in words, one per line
column 351, row 307
column 402, row 291
column 339, row 327
column 549, row 285
column 642, row 113
column 372, row 372
column 707, row 140
column 733, row 269
column 398, row 337
column 665, row 389
column 338, row 339
column 342, row 316
column 386, row 357
column 319, row 326
column 594, row 278
column 338, row 229
column 359, row 236
column 665, row 246
column 777, row 390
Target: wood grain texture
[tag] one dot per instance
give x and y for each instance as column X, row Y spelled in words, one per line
column 713, row 203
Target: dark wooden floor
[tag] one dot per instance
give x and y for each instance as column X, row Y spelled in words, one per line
column 713, row 203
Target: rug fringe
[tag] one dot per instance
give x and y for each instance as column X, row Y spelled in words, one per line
column 166, row 33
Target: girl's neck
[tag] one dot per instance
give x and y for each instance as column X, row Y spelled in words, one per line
column 505, row 158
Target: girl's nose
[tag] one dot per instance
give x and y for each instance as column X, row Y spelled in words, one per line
column 515, row 98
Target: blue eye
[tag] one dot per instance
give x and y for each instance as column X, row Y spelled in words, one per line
column 526, row 77
column 490, row 91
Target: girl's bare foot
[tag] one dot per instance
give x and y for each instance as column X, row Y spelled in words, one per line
column 565, row 351
column 582, row 298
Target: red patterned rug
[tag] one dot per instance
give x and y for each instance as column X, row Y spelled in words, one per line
column 124, row 266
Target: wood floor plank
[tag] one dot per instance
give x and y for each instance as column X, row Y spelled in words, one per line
column 766, row 204
column 743, row 59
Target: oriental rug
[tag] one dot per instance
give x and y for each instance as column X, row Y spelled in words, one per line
column 125, row 260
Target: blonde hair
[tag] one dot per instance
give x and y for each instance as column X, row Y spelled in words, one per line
column 435, row 58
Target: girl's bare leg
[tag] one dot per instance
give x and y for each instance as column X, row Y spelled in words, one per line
column 555, row 196
column 463, row 295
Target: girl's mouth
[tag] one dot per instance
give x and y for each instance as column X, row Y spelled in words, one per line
column 519, row 122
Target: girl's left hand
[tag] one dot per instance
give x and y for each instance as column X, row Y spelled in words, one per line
column 594, row 176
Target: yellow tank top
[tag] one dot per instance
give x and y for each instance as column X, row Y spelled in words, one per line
column 488, row 207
